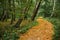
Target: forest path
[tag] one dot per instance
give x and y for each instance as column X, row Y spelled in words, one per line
column 42, row 31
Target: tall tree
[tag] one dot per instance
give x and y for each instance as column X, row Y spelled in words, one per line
column 54, row 5
column 25, row 9
column 5, row 10
column 13, row 12
column 36, row 10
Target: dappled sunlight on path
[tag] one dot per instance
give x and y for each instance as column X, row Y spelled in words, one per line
column 42, row 31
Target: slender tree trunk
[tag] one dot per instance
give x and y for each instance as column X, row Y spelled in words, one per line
column 18, row 23
column 25, row 10
column 20, row 19
column 10, row 9
column 13, row 14
column 9, row 1
column 4, row 15
column 14, row 10
column 36, row 10
column 54, row 4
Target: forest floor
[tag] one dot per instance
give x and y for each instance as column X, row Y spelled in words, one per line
column 43, row 31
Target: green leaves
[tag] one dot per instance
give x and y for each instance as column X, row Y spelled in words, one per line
column 28, row 26
column 11, row 33
column 56, row 23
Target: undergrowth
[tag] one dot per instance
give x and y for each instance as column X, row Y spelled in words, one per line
column 28, row 26
column 11, row 33
column 56, row 23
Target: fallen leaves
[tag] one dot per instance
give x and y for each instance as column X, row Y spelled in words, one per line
column 42, row 31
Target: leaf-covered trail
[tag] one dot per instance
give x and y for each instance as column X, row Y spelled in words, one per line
column 42, row 31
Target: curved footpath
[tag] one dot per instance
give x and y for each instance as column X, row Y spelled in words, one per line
column 42, row 31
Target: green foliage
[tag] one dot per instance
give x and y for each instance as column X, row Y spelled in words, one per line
column 11, row 33
column 28, row 26
column 10, row 36
column 8, row 33
column 56, row 23
column 46, row 9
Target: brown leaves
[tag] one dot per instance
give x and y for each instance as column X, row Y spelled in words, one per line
column 43, row 31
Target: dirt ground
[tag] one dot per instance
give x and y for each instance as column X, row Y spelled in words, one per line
column 42, row 31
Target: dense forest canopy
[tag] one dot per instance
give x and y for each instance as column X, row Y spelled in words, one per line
column 17, row 8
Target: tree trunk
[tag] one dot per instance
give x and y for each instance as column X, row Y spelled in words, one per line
column 36, row 10
column 14, row 10
column 54, row 4
column 24, row 11
column 20, row 19
column 13, row 14
column 5, row 11
column 18, row 23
